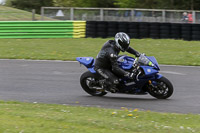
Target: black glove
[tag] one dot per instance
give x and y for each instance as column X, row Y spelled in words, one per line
column 137, row 54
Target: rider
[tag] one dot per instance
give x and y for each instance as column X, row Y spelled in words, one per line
column 106, row 62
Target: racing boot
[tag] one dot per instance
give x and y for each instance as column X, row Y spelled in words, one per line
column 108, row 86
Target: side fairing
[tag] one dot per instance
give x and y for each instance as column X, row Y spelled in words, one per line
column 125, row 62
column 154, row 61
column 149, row 70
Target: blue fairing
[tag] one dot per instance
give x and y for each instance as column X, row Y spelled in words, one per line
column 158, row 76
column 125, row 62
column 154, row 61
column 87, row 62
column 149, row 71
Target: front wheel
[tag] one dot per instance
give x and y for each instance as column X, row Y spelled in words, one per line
column 89, row 83
column 161, row 88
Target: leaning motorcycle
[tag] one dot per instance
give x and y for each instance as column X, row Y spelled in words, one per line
column 148, row 79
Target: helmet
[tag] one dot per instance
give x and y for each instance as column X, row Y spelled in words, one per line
column 122, row 41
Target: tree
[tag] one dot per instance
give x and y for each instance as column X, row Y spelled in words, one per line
column 84, row 3
column 148, row 4
column 30, row 4
column 159, row 4
column 125, row 3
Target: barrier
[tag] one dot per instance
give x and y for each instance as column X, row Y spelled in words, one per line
column 104, row 29
column 79, row 29
column 42, row 29
column 139, row 30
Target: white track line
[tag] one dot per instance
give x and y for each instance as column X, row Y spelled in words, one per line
column 170, row 72
column 180, row 66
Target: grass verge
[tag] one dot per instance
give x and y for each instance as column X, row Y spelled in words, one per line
column 166, row 51
column 14, row 14
column 33, row 118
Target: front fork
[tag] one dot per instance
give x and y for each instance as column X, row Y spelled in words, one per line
column 152, row 82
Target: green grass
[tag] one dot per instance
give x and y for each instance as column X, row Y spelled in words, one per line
column 13, row 14
column 166, row 51
column 16, row 117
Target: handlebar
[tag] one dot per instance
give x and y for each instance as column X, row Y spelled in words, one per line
column 143, row 60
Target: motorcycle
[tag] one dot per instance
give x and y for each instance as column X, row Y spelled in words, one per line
column 148, row 79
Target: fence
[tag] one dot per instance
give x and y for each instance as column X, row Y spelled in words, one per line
column 117, row 14
column 42, row 29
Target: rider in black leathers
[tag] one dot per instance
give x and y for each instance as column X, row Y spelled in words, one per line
column 106, row 62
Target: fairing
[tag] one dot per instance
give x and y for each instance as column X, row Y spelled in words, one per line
column 87, row 62
column 125, row 62
column 154, row 61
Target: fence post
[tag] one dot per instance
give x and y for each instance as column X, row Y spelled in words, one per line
column 101, row 14
column 71, row 13
column 163, row 15
column 42, row 13
column 194, row 16
column 33, row 14
column 132, row 15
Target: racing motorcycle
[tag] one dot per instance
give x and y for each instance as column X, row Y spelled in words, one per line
column 148, row 79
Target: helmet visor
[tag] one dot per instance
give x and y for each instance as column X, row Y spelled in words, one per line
column 124, row 44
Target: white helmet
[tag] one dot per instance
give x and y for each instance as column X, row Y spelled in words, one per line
column 122, row 41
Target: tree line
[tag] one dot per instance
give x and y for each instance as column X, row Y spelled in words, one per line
column 147, row 4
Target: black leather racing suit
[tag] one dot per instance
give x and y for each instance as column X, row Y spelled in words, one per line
column 106, row 62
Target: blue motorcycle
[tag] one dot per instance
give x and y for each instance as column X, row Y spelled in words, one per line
column 148, row 79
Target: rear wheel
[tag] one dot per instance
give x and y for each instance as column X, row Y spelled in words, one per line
column 161, row 88
column 89, row 83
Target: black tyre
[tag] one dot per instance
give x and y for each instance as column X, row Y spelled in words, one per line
column 154, row 31
column 133, row 35
column 154, row 36
column 164, row 36
column 91, row 22
column 111, row 30
column 90, row 26
column 164, row 27
column 122, row 30
column 196, row 32
column 165, row 32
column 112, row 25
column 89, row 84
column 196, row 37
column 133, row 25
column 175, row 36
column 162, row 90
column 133, row 30
column 154, row 28
column 111, row 34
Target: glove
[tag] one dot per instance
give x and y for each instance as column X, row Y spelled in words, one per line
column 144, row 54
column 137, row 54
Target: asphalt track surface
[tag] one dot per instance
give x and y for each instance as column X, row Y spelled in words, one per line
column 57, row 82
